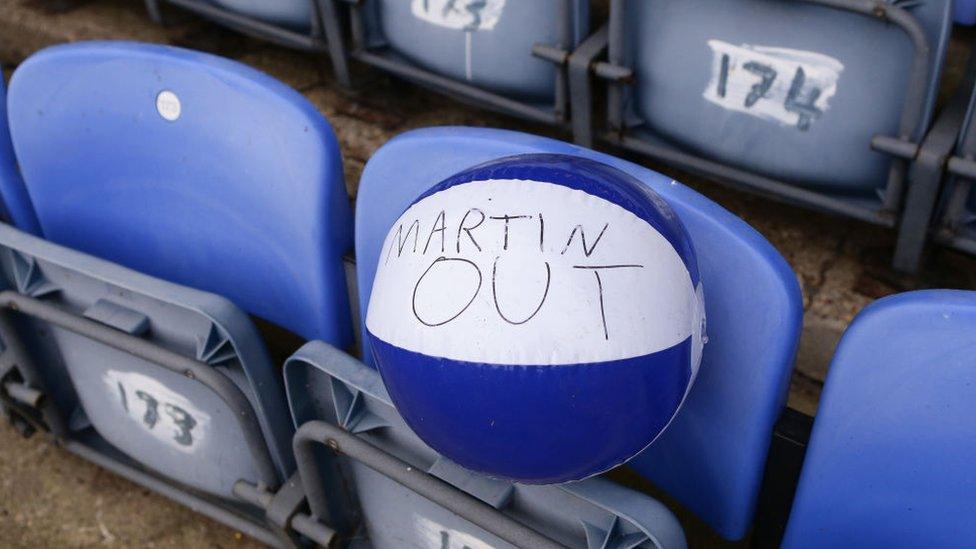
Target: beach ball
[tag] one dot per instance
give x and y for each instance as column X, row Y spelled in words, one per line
column 537, row 318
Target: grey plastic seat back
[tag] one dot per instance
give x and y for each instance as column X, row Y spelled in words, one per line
column 326, row 384
column 292, row 13
column 791, row 90
column 487, row 43
column 167, row 422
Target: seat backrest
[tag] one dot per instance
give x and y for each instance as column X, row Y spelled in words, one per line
column 712, row 455
column 487, row 43
column 292, row 13
column 792, row 90
column 16, row 203
column 191, row 168
column 964, row 12
column 162, row 419
column 890, row 459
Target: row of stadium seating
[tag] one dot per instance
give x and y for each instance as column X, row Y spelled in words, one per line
column 164, row 195
column 750, row 92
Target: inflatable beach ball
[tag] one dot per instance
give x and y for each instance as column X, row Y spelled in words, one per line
column 538, row 318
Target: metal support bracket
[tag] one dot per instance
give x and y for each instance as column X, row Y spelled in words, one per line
column 581, row 86
column 284, row 510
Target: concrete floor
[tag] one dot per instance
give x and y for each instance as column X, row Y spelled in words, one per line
column 50, row 498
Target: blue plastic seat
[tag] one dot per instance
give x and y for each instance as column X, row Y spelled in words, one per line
column 964, row 12
column 292, row 13
column 790, row 90
column 890, row 459
column 487, row 43
column 712, row 456
column 191, row 168
column 16, row 203
column 158, row 418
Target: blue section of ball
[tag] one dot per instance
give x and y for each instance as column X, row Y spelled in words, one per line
column 595, row 178
column 535, row 424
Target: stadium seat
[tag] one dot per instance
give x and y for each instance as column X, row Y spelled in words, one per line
column 205, row 425
column 300, row 24
column 326, row 385
column 487, row 43
column 507, row 56
column 964, row 12
column 16, row 202
column 712, row 456
column 761, row 86
column 890, row 458
column 292, row 13
column 761, row 98
column 191, row 168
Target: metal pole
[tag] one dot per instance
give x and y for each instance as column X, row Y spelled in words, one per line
column 564, row 31
column 152, row 8
column 327, row 14
column 615, row 56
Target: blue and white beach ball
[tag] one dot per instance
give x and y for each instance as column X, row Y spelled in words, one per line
column 538, row 318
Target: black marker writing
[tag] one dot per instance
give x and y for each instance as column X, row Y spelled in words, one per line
column 542, row 233
column 442, row 228
column 599, row 288
column 125, row 399
column 506, row 219
column 807, row 110
column 759, row 89
column 415, row 229
column 152, row 409
column 440, row 261
column 494, row 291
column 184, row 423
column 182, row 419
column 467, row 229
column 723, row 75
column 582, row 232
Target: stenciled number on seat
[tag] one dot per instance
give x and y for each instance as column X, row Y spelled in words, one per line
column 468, row 15
column 164, row 413
column 798, row 103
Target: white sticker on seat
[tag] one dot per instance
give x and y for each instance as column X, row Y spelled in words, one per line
column 528, row 272
column 469, row 15
column 168, row 105
column 791, row 87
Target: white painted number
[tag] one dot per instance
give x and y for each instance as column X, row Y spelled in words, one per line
column 442, row 537
column 469, row 15
column 791, row 87
column 167, row 415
